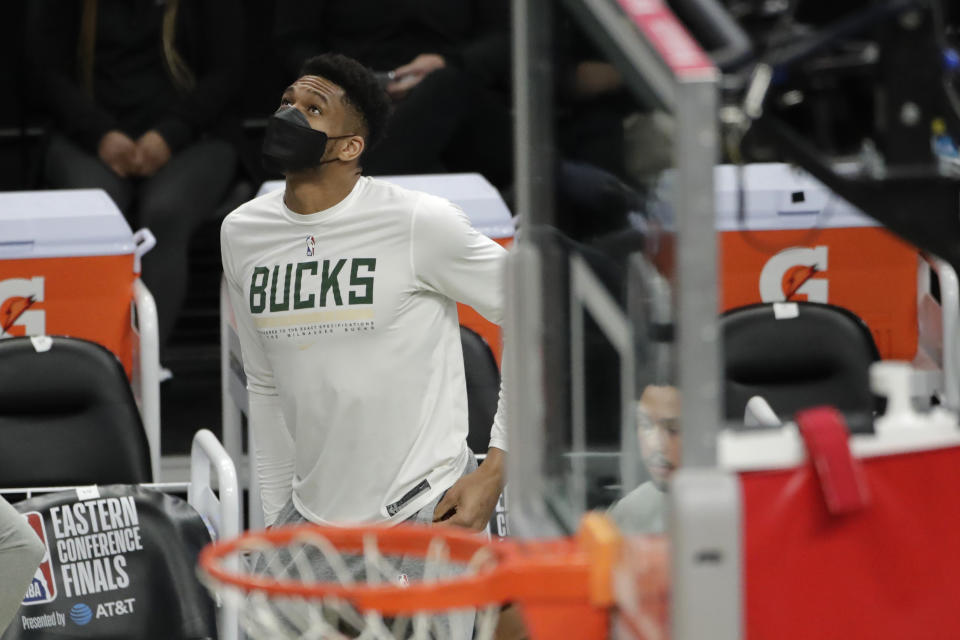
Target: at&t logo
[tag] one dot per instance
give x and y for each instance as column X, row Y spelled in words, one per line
column 118, row 608
column 80, row 614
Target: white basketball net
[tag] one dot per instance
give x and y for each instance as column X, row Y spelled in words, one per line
column 272, row 617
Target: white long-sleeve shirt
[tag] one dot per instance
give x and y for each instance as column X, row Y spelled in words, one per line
column 348, row 326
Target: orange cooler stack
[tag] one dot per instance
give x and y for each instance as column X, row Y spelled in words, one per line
column 67, row 267
column 795, row 240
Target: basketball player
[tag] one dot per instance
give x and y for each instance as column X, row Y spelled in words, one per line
column 21, row 551
column 345, row 291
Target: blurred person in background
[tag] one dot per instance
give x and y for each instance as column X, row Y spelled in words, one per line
column 21, row 552
column 136, row 90
column 591, row 102
column 444, row 63
column 643, row 510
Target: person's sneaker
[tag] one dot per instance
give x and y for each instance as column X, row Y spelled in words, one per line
column 165, row 374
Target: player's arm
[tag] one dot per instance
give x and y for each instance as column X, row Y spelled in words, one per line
column 454, row 259
column 470, row 502
column 268, row 429
column 274, row 453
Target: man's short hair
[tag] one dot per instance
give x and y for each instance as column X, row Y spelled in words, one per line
column 361, row 89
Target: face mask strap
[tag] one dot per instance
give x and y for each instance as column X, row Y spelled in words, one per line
column 346, row 135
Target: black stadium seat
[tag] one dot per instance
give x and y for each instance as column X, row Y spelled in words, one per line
column 67, row 417
column 120, row 565
column 483, row 386
column 820, row 357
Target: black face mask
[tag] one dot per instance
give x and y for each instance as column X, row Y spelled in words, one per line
column 291, row 145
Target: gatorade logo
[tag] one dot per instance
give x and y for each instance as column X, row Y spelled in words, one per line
column 43, row 588
column 17, row 315
column 795, row 275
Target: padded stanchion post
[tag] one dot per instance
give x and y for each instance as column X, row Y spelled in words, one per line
column 706, row 569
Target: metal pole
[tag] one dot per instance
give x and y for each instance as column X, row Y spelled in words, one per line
column 696, row 291
column 533, row 107
column 524, row 344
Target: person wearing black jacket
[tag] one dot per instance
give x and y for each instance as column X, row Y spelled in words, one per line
column 135, row 88
column 445, row 64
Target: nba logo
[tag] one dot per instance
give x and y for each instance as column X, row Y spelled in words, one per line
column 311, row 245
column 42, row 588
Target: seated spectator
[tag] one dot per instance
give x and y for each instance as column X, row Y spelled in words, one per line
column 591, row 102
column 135, row 89
column 445, row 64
column 643, row 510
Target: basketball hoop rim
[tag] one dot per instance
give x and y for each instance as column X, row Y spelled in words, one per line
column 523, row 571
column 409, row 539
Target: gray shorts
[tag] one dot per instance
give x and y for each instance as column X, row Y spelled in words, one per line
column 407, row 568
column 21, row 552
column 412, row 566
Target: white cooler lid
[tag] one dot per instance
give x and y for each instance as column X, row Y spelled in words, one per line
column 478, row 198
column 779, row 196
column 61, row 223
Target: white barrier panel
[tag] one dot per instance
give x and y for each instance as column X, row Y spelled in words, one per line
column 778, row 196
column 62, row 223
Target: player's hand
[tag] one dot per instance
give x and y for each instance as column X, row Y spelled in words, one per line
column 407, row 76
column 119, row 152
column 470, row 502
column 152, row 153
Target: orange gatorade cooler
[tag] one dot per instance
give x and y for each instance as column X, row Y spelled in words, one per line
column 790, row 238
column 68, row 261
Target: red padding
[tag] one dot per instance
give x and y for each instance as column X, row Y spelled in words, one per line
column 888, row 572
column 824, row 431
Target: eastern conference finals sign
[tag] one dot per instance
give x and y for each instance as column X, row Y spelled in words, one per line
column 90, row 541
